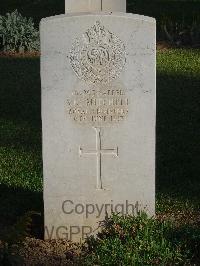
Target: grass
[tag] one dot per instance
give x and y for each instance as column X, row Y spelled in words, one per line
column 178, row 126
column 20, row 138
column 178, row 149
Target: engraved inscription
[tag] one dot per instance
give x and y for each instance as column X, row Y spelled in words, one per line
column 98, row 152
column 98, row 56
column 97, row 107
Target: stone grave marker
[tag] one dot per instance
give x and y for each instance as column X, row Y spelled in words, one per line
column 99, row 114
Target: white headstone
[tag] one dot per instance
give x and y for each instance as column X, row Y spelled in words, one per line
column 98, row 112
column 95, row 5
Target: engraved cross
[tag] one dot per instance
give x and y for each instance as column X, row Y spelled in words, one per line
column 99, row 152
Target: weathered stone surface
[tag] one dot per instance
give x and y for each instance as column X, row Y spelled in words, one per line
column 95, row 5
column 82, row 6
column 99, row 113
column 114, row 5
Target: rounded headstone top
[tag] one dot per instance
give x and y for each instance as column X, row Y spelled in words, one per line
column 95, row 6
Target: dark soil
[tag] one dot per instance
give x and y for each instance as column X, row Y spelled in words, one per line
column 48, row 253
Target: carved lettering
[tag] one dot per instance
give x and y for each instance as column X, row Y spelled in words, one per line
column 98, row 107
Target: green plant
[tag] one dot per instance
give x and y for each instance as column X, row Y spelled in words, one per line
column 17, row 33
column 127, row 240
column 181, row 33
column 178, row 21
column 16, row 235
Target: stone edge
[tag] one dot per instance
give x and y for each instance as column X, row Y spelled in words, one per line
column 114, row 14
